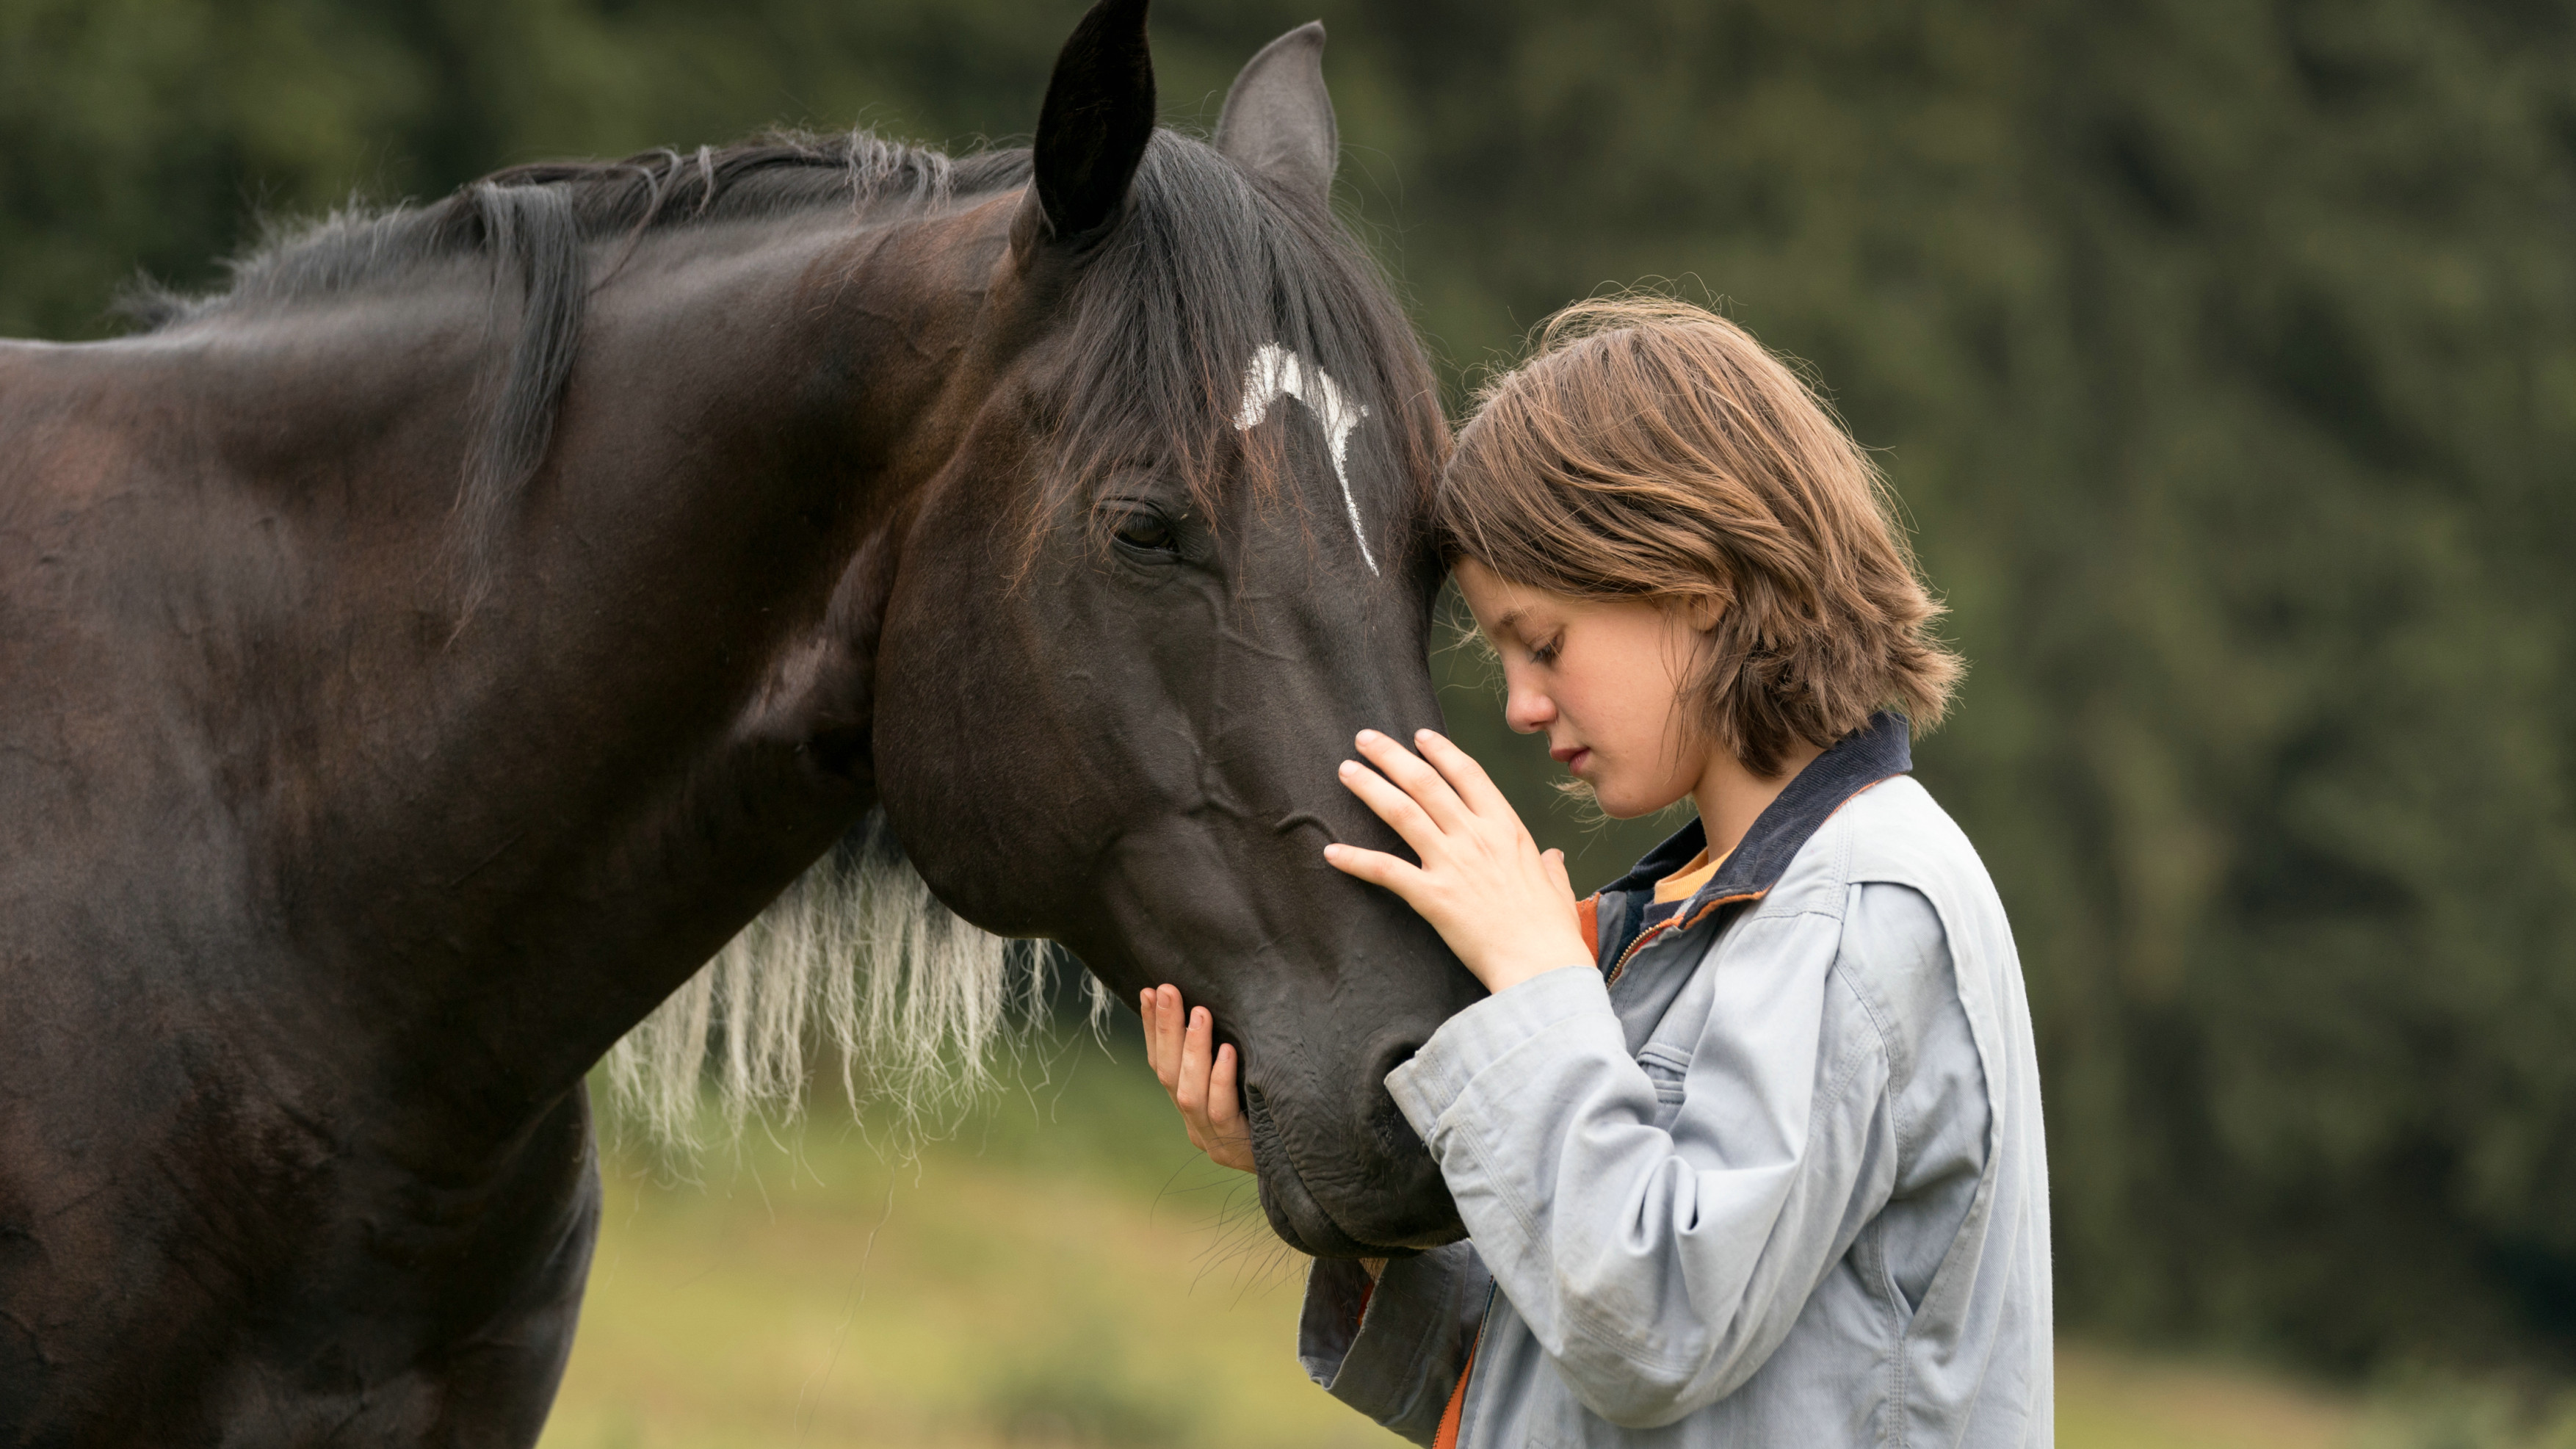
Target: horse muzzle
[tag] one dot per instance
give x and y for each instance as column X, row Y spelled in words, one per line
column 1398, row 1218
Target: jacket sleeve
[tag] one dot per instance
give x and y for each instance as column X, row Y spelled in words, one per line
column 1394, row 1352
column 1659, row 1267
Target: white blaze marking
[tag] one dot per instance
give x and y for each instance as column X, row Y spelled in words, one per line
column 1276, row 370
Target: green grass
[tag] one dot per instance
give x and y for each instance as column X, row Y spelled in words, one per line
column 1066, row 1271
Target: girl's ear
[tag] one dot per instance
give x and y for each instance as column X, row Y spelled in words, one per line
column 1703, row 611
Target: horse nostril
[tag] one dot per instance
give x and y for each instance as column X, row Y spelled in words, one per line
column 1394, row 1135
column 1391, row 1058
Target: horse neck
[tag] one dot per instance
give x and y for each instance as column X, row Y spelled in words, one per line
column 537, row 793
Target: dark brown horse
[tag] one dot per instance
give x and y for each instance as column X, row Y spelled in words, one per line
column 416, row 661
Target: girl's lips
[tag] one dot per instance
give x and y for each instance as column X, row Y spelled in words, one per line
column 1573, row 759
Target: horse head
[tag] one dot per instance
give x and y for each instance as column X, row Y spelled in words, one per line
column 1175, row 561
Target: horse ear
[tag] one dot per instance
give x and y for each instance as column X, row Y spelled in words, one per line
column 1278, row 119
column 1092, row 131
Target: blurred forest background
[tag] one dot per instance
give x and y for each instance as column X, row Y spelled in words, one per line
column 2222, row 351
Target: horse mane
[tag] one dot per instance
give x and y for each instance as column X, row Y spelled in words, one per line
column 536, row 225
column 859, row 959
column 1210, row 264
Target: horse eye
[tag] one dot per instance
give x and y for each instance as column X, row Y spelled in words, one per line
column 1150, row 532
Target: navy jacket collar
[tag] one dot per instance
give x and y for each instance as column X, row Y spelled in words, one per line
column 1859, row 760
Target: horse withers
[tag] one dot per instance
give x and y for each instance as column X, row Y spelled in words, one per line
column 422, row 656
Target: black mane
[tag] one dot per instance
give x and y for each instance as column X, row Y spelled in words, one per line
column 1209, row 263
column 536, row 215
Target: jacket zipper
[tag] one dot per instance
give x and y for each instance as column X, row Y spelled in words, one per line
column 1647, row 935
column 1635, row 946
column 1475, row 1351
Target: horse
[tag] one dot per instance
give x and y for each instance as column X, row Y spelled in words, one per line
column 425, row 653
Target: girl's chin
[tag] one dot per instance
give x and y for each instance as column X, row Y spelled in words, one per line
column 1618, row 804
column 1618, row 798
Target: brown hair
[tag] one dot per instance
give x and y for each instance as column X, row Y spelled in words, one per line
column 1651, row 449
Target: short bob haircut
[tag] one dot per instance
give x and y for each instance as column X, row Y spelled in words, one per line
column 1650, row 449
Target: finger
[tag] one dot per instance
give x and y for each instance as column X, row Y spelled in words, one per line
column 1377, row 868
column 1197, row 1046
column 1224, row 1100
column 1154, row 1034
column 1234, row 1144
column 1416, row 778
column 1198, row 1084
column 1184, row 1089
column 1145, row 1014
column 1167, row 1029
column 1556, row 870
column 1393, row 806
column 1464, row 775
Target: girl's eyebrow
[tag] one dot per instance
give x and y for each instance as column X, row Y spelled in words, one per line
column 1510, row 622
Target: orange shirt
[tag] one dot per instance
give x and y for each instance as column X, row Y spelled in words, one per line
column 1681, row 883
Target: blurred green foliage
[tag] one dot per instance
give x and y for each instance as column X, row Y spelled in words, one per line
column 2222, row 354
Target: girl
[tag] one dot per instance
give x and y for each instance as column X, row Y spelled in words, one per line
column 1747, row 1144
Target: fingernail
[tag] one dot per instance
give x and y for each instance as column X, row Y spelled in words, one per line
column 1367, row 735
column 1349, row 765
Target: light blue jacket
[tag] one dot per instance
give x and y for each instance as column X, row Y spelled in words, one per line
column 1772, row 1175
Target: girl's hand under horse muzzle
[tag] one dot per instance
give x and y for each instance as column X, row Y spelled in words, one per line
column 1201, row 1078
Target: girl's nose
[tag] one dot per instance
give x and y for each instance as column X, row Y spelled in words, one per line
column 1526, row 710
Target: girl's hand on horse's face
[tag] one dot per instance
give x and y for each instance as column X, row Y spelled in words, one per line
column 1500, row 902
column 1200, row 1082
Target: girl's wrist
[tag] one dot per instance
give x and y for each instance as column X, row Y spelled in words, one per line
column 1502, row 982
column 1500, row 977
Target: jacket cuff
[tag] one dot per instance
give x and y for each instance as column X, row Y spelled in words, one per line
column 1572, row 998
column 1398, row 1361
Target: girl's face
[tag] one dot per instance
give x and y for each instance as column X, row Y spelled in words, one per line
column 1602, row 679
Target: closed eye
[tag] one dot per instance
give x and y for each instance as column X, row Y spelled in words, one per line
column 1546, row 653
column 1149, row 533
